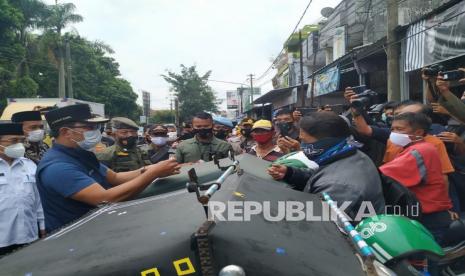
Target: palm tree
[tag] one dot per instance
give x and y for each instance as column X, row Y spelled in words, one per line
column 59, row 16
column 33, row 12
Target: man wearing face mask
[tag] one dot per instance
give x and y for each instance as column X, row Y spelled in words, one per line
column 344, row 172
column 71, row 180
column 124, row 155
column 21, row 213
column 418, row 167
column 288, row 133
column 159, row 148
column 262, row 133
column 243, row 142
column 33, row 129
column 204, row 145
column 222, row 127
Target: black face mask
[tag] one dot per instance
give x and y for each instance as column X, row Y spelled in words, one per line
column 221, row 134
column 284, row 128
column 204, row 133
column 128, row 142
column 246, row 132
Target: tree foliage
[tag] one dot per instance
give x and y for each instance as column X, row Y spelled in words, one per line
column 31, row 48
column 192, row 90
column 162, row 117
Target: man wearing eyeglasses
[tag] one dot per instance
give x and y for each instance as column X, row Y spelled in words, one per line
column 33, row 129
column 21, row 214
column 70, row 179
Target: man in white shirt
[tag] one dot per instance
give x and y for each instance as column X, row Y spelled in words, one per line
column 21, row 214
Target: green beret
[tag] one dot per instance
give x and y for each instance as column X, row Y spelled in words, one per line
column 123, row 123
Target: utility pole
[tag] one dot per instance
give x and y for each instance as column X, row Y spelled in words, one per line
column 251, row 88
column 176, row 112
column 61, row 74
column 302, row 93
column 69, row 70
column 241, row 92
column 393, row 78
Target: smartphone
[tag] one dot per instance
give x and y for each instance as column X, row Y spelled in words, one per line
column 359, row 89
column 453, row 75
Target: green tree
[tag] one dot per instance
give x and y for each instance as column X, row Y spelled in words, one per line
column 58, row 17
column 162, row 117
column 192, row 90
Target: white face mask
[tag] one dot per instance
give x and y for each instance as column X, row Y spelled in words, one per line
column 400, row 139
column 91, row 139
column 159, row 141
column 36, row 135
column 172, row 136
column 14, row 151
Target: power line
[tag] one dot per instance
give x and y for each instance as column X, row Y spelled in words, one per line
column 230, row 82
column 280, row 52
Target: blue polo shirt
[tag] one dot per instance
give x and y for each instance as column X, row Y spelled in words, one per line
column 61, row 173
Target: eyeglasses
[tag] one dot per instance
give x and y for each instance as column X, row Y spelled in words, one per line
column 14, row 141
column 87, row 126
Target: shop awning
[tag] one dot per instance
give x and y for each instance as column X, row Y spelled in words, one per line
column 272, row 94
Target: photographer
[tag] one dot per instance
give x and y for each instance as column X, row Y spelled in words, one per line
column 448, row 100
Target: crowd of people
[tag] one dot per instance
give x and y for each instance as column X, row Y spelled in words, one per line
column 352, row 156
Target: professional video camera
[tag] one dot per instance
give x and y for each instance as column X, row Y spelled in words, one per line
column 366, row 98
column 433, row 70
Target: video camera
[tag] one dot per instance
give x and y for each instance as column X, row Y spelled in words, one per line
column 366, row 98
column 433, row 70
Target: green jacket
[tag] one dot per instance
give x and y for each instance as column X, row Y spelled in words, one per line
column 122, row 160
column 454, row 105
column 192, row 150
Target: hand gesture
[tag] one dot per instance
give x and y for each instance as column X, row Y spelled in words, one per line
column 442, row 85
column 165, row 168
column 349, row 94
column 297, row 115
column 437, row 108
column 277, row 171
column 450, row 137
column 287, row 144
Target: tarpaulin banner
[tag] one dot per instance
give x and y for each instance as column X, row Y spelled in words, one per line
column 438, row 38
column 327, row 82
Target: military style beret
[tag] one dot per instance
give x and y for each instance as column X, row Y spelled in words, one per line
column 123, row 123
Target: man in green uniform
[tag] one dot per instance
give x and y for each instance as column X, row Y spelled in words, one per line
column 124, row 155
column 204, row 145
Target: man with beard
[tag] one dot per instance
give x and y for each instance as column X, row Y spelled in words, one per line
column 204, row 145
column 124, row 155
column 262, row 133
column 33, row 129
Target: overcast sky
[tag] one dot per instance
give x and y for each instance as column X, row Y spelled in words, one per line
column 232, row 38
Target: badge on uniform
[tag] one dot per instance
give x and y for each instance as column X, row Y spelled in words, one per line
column 122, row 153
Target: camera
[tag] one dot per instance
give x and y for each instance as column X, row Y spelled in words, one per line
column 433, row 70
column 453, row 75
column 365, row 99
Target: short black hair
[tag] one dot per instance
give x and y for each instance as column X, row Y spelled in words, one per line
column 391, row 105
column 428, row 111
column 55, row 132
column 325, row 124
column 284, row 111
column 415, row 120
column 203, row 116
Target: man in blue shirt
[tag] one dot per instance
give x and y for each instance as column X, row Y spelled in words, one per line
column 70, row 179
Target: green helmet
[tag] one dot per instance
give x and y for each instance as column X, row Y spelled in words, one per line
column 394, row 237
